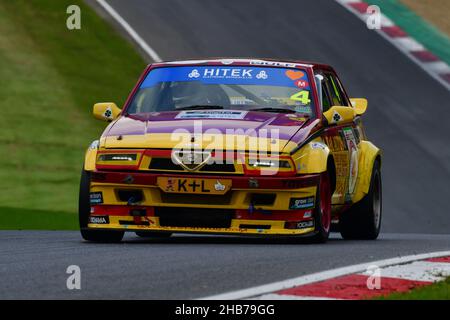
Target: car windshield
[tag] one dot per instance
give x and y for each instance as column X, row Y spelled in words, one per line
column 224, row 87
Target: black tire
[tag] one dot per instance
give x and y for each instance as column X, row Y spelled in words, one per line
column 363, row 220
column 149, row 234
column 83, row 215
column 323, row 203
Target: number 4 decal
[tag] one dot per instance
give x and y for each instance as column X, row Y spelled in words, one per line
column 302, row 96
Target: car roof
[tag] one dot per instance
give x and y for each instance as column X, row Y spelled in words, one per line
column 247, row 61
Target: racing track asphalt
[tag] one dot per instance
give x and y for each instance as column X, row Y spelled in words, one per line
column 406, row 118
column 33, row 263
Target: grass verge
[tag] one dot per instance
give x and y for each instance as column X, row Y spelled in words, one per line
column 436, row 291
column 434, row 11
column 25, row 219
column 49, row 79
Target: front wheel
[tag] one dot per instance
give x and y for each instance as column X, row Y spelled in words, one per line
column 84, row 209
column 363, row 220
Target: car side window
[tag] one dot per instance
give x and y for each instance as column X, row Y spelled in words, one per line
column 326, row 103
column 334, row 85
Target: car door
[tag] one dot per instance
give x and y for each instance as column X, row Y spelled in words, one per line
column 343, row 140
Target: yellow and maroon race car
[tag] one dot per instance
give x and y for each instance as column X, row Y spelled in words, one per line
column 232, row 146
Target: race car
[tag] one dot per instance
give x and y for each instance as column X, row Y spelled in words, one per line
column 255, row 147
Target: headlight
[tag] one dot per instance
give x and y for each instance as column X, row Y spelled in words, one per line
column 269, row 164
column 126, row 159
column 117, row 157
column 272, row 165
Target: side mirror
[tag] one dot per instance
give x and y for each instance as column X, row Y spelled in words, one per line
column 339, row 115
column 359, row 105
column 106, row 111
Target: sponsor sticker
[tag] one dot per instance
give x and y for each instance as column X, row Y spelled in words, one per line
column 336, row 117
column 294, row 75
column 305, row 224
column 303, row 109
column 301, row 203
column 99, row 219
column 230, row 75
column 301, row 96
column 273, row 63
column 351, row 145
column 224, row 73
column 218, row 186
column 211, row 114
column 307, row 214
column 301, row 84
column 108, row 113
column 318, row 145
column 96, row 197
column 262, row 75
column 194, row 74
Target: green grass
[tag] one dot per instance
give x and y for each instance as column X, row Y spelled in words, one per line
column 23, row 219
column 49, row 79
column 437, row 291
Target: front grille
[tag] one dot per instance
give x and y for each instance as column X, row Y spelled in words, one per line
column 263, row 199
column 194, row 217
column 180, row 198
column 164, row 164
column 167, row 164
column 255, row 226
column 133, row 223
column 218, row 167
column 130, row 195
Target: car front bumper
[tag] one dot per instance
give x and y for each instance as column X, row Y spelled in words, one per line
column 259, row 205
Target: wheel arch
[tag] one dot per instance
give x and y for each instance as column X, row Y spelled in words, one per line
column 316, row 157
column 312, row 157
column 89, row 159
column 369, row 154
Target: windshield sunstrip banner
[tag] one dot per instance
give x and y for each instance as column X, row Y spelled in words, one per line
column 245, row 75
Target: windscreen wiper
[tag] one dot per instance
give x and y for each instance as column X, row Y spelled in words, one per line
column 199, row 107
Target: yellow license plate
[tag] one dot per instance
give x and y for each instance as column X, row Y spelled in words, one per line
column 192, row 185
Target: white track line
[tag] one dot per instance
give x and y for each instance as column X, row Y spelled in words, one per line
column 320, row 276
column 133, row 34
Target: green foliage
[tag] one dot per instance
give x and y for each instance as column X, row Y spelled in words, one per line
column 49, row 79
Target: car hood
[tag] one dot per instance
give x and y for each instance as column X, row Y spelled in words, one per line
column 165, row 130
